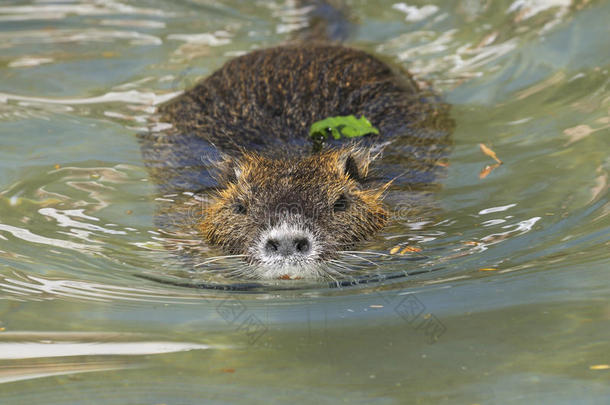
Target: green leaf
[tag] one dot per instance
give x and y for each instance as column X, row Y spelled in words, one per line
column 341, row 127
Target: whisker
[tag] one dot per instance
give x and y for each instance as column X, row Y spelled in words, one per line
column 365, row 252
column 353, row 264
column 327, row 273
column 243, row 270
column 362, row 258
column 213, row 270
column 216, row 258
column 338, row 264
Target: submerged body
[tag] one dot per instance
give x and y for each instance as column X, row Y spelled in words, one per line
column 285, row 208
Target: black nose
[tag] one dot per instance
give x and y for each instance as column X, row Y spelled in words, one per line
column 301, row 245
column 287, row 246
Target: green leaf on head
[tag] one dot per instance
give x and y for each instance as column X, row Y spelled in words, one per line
column 341, row 127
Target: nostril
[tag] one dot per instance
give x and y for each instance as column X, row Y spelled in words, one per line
column 301, row 245
column 286, row 246
column 272, row 245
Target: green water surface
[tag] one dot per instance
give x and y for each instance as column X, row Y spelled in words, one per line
column 517, row 308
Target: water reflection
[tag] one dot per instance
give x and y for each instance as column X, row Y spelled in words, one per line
column 27, row 355
column 30, row 350
column 514, row 265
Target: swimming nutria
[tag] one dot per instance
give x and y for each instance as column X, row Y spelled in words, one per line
column 283, row 206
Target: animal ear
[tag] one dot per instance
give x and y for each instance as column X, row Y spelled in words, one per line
column 230, row 170
column 227, row 169
column 355, row 162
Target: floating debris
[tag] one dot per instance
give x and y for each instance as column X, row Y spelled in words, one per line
column 487, row 150
column 600, row 367
column 489, row 168
column 410, row 249
column 403, row 250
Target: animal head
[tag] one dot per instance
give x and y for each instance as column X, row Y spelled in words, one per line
column 288, row 216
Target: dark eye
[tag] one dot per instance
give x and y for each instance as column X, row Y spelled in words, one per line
column 341, row 203
column 239, row 208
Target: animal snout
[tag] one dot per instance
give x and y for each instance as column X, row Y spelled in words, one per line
column 288, row 245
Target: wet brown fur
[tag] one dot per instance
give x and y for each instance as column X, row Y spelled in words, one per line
column 271, row 97
column 305, row 191
column 258, row 108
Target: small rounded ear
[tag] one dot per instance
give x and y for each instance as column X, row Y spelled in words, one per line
column 226, row 168
column 229, row 170
column 355, row 162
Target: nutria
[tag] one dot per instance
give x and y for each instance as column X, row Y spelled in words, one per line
column 283, row 205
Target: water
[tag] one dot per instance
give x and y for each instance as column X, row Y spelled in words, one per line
column 505, row 297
